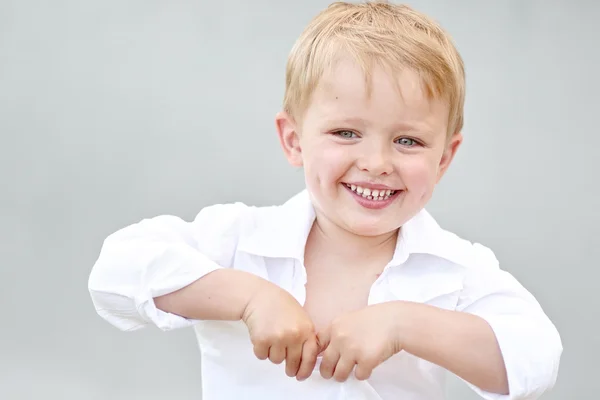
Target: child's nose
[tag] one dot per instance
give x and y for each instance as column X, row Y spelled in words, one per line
column 376, row 161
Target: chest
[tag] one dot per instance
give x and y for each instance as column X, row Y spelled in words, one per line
column 332, row 290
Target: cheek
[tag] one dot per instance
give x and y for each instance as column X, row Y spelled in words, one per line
column 419, row 174
column 326, row 164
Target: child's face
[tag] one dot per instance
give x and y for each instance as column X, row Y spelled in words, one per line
column 350, row 142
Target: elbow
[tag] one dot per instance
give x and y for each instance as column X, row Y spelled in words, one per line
column 118, row 310
column 531, row 350
column 112, row 299
column 499, row 384
column 554, row 351
column 549, row 353
column 536, row 372
column 167, row 303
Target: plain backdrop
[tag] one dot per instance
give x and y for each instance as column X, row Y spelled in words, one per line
column 112, row 111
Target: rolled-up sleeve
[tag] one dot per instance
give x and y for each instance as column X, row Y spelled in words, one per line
column 158, row 256
column 530, row 343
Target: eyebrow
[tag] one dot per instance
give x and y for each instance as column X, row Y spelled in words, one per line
column 352, row 121
column 396, row 127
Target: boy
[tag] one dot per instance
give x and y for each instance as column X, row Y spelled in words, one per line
column 350, row 287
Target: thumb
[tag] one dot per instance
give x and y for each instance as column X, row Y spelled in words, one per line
column 323, row 339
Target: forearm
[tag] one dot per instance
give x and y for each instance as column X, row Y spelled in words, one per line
column 220, row 295
column 462, row 343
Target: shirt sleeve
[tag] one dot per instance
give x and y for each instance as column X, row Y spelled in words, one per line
column 530, row 343
column 157, row 256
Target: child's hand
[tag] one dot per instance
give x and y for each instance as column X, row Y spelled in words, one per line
column 281, row 330
column 364, row 338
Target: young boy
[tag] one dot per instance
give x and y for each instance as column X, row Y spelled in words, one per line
column 350, row 286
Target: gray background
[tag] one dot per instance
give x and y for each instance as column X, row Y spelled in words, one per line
column 112, row 111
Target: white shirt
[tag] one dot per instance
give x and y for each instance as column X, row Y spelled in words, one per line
column 430, row 265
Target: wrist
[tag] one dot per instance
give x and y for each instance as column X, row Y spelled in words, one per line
column 255, row 289
column 419, row 326
column 402, row 325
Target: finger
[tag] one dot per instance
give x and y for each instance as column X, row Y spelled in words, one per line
column 277, row 354
column 328, row 363
column 292, row 360
column 310, row 350
column 363, row 371
column 323, row 339
column 343, row 369
column 261, row 350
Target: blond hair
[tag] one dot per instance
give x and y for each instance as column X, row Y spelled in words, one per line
column 395, row 36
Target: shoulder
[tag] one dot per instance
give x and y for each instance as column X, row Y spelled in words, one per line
column 469, row 254
column 223, row 216
column 239, row 218
column 480, row 268
column 267, row 231
column 430, row 238
column 229, row 219
column 476, row 266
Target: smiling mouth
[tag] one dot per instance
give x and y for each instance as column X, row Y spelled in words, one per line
column 372, row 194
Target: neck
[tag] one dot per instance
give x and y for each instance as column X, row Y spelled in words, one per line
column 351, row 246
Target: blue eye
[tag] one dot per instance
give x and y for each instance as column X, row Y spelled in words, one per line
column 408, row 142
column 346, row 134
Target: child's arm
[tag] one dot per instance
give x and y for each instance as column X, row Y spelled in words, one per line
column 498, row 340
column 462, row 343
column 223, row 295
column 169, row 273
column 527, row 339
column 158, row 256
column 279, row 328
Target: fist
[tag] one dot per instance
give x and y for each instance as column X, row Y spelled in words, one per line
column 362, row 339
column 281, row 330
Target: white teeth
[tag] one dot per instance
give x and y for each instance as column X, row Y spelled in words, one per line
column 371, row 194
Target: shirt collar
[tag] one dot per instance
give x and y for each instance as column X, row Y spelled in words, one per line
column 282, row 231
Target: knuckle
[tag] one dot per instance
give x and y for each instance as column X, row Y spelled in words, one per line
column 307, row 327
column 312, row 348
column 261, row 342
column 367, row 361
column 355, row 349
column 339, row 335
column 278, row 336
column 293, row 334
column 260, row 339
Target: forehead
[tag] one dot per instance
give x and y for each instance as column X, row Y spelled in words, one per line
column 381, row 97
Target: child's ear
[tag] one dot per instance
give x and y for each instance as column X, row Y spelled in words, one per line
column 289, row 138
column 449, row 152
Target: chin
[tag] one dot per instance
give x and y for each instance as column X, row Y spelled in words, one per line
column 369, row 228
